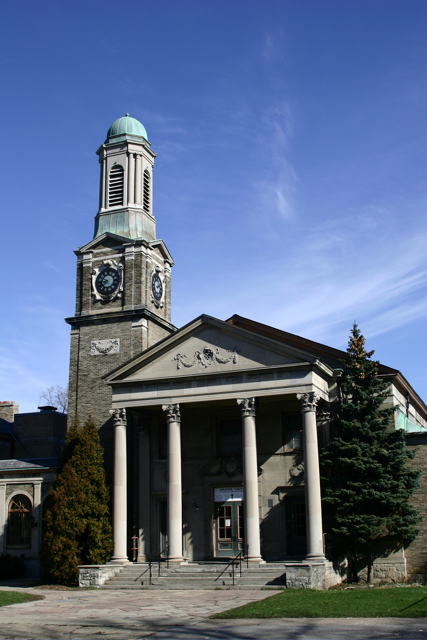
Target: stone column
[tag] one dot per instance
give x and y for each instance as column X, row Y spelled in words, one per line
column 138, row 179
column 174, row 507
column 144, row 489
column 119, row 488
column 250, row 478
column 131, row 179
column 313, row 503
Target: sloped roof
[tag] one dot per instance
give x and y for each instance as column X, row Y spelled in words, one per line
column 28, row 463
column 330, row 355
column 316, row 348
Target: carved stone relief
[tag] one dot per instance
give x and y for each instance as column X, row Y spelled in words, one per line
column 104, row 347
column 296, row 470
column 205, row 358
column 229, row 465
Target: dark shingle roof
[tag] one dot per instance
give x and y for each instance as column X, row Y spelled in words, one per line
column 28, row 463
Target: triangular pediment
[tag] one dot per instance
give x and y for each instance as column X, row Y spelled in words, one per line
column 209, row 346
column 110, row 241
column 105, row 241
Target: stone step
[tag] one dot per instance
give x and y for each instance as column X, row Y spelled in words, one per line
column 183, row 586
column 175, row 572
column 193, row 568
column 198, row 580
column 195, row 576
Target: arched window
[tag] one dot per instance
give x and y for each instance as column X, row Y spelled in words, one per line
column 146, row 197
column 116, row 186
column 19, row 522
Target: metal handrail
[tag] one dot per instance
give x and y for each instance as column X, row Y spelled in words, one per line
column 163, row 551
column 144, row 572
column 150, row 566
column 237, row 560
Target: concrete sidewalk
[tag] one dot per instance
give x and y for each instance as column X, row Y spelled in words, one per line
column 130, row 615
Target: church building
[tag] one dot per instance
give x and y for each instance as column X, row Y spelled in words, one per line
column 211, row 431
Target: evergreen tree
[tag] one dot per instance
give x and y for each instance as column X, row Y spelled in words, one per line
column 77, row 528
column 366, row 480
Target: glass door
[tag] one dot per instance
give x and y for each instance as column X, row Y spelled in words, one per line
column 229, row 529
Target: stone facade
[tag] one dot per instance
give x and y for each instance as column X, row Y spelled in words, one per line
column 301, row 575
column 8, row 410
column 416, row 554
column 95, row 575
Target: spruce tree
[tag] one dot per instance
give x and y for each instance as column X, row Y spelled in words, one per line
column 77, row 528
column 366, row 479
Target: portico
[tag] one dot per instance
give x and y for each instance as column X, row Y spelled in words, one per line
column 220, row 468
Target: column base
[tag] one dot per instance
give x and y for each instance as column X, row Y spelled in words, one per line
column 119, row 560
column 176, row 560
column 256, row 559
column 315, row 557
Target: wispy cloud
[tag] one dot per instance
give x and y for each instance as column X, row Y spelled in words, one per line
column 277, row 180
column 383, row 286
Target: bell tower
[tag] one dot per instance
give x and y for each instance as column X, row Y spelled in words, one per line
column 123, row 293
column 125, row 199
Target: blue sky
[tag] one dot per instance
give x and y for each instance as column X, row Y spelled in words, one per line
column 290, row 179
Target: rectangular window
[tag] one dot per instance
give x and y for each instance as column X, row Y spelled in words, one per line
column 224, row 523
column 229, row 436
column 292, row 428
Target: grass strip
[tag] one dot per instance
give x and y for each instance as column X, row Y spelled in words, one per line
column 16, row 597
column 398, row 602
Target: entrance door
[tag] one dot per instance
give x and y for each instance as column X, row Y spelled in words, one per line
column 296, row 526
column 229, row 529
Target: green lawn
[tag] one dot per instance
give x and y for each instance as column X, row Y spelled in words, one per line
column 15, row 597
column 397, row 602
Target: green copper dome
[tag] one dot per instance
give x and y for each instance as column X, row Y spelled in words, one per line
column 126, row 126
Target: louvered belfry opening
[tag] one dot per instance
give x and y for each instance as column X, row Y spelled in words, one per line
column 116, row 186
column 146, row 197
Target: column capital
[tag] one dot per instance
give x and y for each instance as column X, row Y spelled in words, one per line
column 247, row 406
column 119, row 417
column 308, row 401
column 172, row 412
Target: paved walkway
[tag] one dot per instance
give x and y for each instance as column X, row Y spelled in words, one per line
column 167, row 615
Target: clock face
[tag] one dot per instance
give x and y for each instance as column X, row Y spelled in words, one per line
column 107, row 281
column 156, row 287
